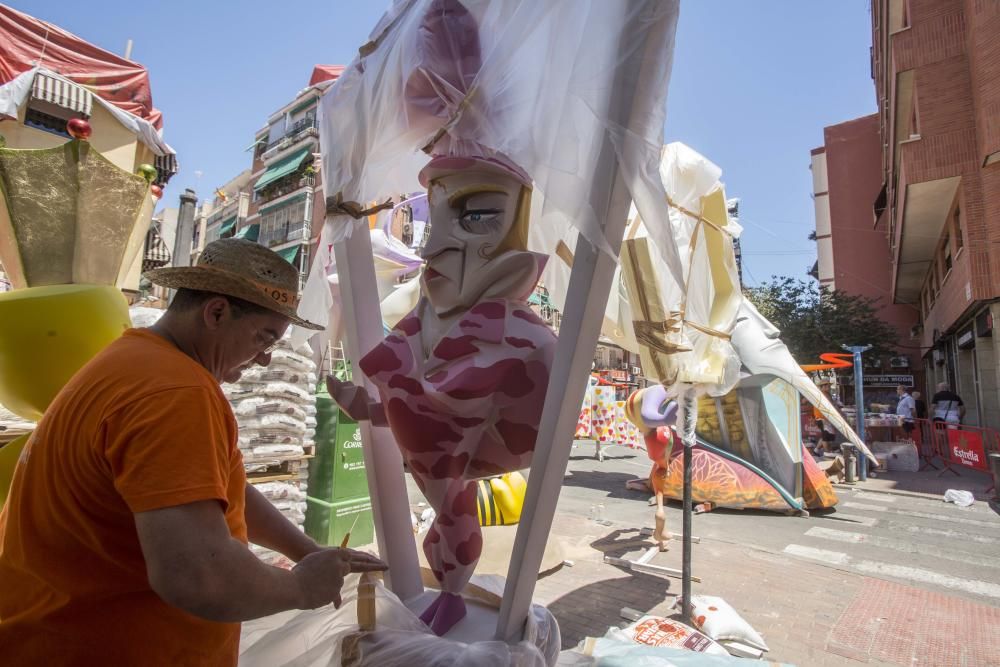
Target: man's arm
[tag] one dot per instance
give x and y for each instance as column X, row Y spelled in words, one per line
column 194, row 564
column 267, row 527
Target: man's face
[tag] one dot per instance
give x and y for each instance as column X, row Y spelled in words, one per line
column 900, row 391
column 471, row 214
column 245, row 341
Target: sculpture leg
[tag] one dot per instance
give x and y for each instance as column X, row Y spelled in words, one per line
column 452, row 546
column 660, row 533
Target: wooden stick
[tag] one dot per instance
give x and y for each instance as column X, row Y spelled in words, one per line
column 366, row 602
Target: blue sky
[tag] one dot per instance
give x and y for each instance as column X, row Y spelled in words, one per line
column 754, row 83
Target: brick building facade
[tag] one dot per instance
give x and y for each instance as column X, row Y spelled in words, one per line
column 852, row 253
column 936, row 67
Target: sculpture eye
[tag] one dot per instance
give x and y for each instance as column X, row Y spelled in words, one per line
column 480, row 220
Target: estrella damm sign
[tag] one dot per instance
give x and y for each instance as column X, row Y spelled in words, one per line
column 966, row 448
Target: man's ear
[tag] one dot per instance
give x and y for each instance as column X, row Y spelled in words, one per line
column 214, row 311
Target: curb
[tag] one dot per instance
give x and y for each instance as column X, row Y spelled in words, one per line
column 978, row 495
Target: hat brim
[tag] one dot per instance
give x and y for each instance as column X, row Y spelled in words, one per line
column 445, row 165
column 207, row 280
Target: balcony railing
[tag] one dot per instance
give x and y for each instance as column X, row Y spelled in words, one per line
column 285, row 186
column 295, row 231
column 298, row 129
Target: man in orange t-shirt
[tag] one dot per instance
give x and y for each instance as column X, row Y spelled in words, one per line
column 124, row 538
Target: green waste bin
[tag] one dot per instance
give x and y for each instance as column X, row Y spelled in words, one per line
column 327, row 523
column 337, row 498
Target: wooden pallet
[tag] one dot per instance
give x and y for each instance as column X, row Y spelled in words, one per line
column 289, row 468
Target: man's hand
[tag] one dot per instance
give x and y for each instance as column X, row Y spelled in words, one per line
column 320, row 575
column 351, row 398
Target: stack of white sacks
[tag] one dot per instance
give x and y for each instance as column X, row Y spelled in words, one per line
column 275, row 408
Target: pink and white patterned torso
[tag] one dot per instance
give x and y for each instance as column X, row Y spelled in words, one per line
column 469, row 410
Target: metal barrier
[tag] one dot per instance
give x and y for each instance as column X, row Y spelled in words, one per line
column 954, row 445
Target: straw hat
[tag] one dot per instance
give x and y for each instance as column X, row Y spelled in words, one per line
column 242, row 269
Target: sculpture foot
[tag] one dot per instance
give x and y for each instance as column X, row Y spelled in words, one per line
column 428, row 616
column 660, row 533
column 450, row 609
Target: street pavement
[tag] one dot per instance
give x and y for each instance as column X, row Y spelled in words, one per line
column 883, row 579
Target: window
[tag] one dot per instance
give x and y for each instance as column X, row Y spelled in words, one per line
column 283, row 224
column 934, row 282
column 946, row 251
column 956, row 228
column 212, row 234
column 54, row 122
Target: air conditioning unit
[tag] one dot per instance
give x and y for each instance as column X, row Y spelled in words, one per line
column 938, row 357
column 916, row 330
column 636, row 370
column 899, row 362
column 873, row 362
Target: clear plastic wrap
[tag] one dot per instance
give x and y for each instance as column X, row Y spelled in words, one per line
column 700, row 311
column 329, row 637
column 537, row 88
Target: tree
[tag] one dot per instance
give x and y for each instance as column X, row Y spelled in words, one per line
column 815, row 319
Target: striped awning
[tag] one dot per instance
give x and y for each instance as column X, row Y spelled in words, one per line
column 62, row 93
column 157, row 253
column 166, row 166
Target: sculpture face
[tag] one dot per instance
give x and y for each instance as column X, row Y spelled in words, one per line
column 471, row 215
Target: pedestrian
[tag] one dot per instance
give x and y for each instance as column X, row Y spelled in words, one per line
column 920, row 405
column 905, row 408
column 947, row 405
column 828, row 434
column 124, row 538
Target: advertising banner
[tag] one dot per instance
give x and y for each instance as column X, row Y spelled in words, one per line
column 966, row 448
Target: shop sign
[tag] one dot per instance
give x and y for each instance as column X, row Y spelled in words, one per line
column 967, row 340
column 883, row 380
column 966, row 448
column 619, row 376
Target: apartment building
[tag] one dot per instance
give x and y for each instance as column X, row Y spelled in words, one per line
column 936, row 67
column 286, row 193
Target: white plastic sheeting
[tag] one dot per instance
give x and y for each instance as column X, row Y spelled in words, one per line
column 316, row 638
column 708, row 295
column 540, row 97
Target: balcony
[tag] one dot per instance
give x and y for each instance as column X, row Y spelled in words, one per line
column 294, row 232
column 285, row 186
column 299, row 130
column 925, row 210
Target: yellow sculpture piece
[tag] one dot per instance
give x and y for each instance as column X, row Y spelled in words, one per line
column 499, row 499
column 49, row 333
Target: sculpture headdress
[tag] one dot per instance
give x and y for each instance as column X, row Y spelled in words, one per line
column 439, row 92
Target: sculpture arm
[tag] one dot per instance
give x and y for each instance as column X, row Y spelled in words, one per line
column 656, row 409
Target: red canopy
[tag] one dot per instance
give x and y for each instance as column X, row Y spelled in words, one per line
column 26, row 42
column 323, row 73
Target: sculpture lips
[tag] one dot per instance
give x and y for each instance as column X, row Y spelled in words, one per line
column 431, row 273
